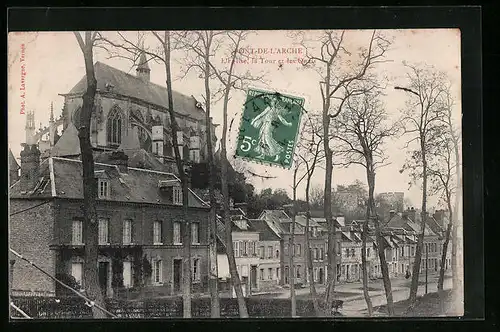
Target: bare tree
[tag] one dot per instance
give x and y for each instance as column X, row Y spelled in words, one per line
column 441, row 168
column 423, row 123
column 229, row 80
column 316, row 197
column 137, row 53
column 311, row 154
column 199, row 47
column 90, row 222
column 338, row 69
column 360, row 132
column 454, row 135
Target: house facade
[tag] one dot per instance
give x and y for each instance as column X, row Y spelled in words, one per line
column 140, row 227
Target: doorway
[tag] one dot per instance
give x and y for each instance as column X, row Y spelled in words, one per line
column 103, row 277
column 253, row 276
column 321, row 276
column 177, row 274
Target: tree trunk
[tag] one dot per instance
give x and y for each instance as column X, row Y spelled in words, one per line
column 213, row 277
column 227, row 218
column 380, row 244
column 90, row 222
column 332, row 255
column 364, row 234
column 186, row 275
column 312, row 288
column 420, row 241
column 442, row 267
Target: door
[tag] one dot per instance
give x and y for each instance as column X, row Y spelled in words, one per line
column 103, row 277
column 177, row 274
column 321, row 276
column 253, row 276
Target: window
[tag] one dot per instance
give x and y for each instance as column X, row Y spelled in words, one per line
column 177, row 233
column 114, row 127
column 177, row 195
column 196, row 269
column 244, row 248
column 270, row 252
column 194, row 155
column 157, row 271
column 315, row 232
column 261, row 274
column 76, row 272
column 195, row 235
column 316, row 253
column 157, row 230
column 127, row 231
column 261, row 252
column 277, row 254
column 315, row 274
column 321, row 254
column 127, row 274
column 103, row 188
column 353, row 252
column 251, row 248
column 77, row 234
column 298, row 271
column 236, row 248
column 286, row 249
column 299, row 247
column 103, row 231
column 270, row 273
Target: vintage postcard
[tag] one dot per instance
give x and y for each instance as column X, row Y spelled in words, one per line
column 224, row 173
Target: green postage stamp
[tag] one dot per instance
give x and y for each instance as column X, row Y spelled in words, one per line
column 269, row 127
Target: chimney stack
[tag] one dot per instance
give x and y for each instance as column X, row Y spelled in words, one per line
column 412, row 214
column 30, row 167
column 120, row 159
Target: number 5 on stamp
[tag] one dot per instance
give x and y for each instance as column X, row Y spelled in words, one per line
column 270, row 124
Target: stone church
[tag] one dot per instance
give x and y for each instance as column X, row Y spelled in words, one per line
column 131, row 114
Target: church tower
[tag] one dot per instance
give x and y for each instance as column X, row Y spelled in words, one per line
column 52, row 126
column 30, row 128
column 143, row 70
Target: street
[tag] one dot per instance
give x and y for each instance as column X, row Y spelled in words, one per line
column 352, row 293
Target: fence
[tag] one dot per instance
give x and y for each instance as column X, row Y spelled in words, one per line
column 71, row 307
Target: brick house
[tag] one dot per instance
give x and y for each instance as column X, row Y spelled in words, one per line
column 140, row 226
column 352, row 245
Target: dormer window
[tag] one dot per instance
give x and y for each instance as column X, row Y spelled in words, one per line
column 103, row 188
column 177, row 195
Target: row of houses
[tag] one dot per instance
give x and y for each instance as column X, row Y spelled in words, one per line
column 262, row 248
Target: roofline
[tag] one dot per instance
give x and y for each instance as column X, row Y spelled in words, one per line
column 132, row 202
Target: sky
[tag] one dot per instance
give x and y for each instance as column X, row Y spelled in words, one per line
column 53, row 64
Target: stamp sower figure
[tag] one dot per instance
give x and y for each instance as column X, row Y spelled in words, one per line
column 266, row 122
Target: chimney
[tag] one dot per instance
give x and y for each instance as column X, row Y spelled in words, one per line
column 30, row 167
column 243, row 206
column 120, row 159
column 411, row 214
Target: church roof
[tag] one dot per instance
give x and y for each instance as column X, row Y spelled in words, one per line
column 13, row 165
column 132, row 86
column 62, row 177
column 68, row 144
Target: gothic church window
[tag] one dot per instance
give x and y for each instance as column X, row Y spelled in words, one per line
column 114, row 126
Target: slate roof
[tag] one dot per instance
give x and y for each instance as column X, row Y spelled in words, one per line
column 13, row 165
column 68, row 144
column 132, row 86
column 137, row 185
column 266, row 233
